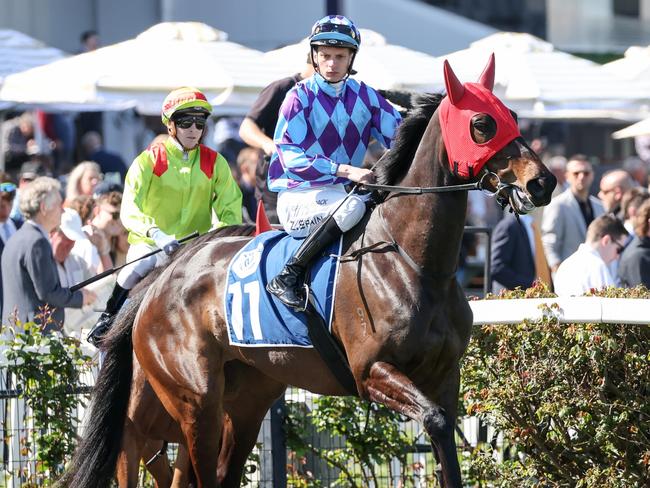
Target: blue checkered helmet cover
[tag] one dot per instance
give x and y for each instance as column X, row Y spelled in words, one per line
column 337, row 31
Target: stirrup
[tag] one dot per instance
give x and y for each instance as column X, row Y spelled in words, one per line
column 99, row 330
column 304, row 306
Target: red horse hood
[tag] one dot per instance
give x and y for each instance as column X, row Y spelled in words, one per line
column 463, row 101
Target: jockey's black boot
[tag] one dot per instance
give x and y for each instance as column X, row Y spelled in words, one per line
column 113, row 305
column 288, row 285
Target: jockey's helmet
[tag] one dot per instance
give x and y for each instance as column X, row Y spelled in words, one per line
column 183, row 99
column 335, row 31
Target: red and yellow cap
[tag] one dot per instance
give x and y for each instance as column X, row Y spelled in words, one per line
column 183, row 99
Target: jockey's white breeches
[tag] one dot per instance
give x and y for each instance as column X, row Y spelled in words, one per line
column 300, row 209
column 129, row 276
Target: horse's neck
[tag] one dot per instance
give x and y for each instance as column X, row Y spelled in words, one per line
column 429, row 226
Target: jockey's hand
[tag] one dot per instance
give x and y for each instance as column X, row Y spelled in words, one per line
column 164, row 241
column 358, row 175
column 268, row 147
column 89, row 297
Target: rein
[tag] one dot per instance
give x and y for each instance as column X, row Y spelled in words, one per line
column 420, row 190
column 384, row 246
column 392, row 245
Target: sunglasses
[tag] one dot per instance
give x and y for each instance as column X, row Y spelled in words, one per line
column 340, row 28
column 619, row 248
column 7, row 187
column 187, row 121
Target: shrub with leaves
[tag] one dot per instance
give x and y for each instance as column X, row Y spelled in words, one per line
column 572, row 400
column 47, row 367
column 366, row 437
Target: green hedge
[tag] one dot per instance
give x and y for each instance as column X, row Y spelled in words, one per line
column 47, row 368
column 572, row 400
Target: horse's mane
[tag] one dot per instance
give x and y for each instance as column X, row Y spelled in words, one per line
column 394, row 164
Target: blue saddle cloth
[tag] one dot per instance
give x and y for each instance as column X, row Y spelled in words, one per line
column 258, row 319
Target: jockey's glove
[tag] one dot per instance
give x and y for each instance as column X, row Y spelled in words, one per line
column 164, row 241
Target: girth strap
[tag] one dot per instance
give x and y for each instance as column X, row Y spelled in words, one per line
column 329, row 349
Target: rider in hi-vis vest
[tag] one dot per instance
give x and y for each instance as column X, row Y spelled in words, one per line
column 172, row 189
column 322, row 135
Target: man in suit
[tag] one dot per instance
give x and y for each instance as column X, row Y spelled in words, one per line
column 8, row 226
column 513, row 262
column 565, row 220
column 30, row 279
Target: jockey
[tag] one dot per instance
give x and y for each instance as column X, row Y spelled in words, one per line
column 171, row 190
column 321, row 137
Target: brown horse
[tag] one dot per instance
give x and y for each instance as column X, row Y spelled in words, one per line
column 400, row 316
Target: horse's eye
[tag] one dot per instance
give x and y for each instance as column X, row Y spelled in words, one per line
column 484, row 128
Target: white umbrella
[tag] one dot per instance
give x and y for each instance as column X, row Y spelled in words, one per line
column 140, row 72
column 641, row 128
column 537, row 80
column 19, row 52
column 633, row 66
column 378, row 63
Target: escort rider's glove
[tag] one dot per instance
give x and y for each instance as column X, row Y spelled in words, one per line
column 165, row 242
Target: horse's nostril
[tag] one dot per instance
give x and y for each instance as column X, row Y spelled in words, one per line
column 540, row 189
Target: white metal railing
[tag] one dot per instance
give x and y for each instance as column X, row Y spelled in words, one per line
column 566, row 310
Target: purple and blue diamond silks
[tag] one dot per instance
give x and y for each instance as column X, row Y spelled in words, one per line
column 318, row 130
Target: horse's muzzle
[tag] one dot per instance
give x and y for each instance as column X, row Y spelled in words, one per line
column 540, row 189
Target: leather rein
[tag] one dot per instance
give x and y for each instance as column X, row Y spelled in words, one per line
column 420, row 190
column 392, row 245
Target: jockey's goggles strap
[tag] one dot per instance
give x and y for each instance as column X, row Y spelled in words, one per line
column 340, row 28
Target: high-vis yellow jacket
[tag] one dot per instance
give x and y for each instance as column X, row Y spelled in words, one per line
column 177, row 192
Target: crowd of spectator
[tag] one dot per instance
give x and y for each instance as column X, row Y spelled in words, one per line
column 593, row 234
column 584, row 241
column 85, row 236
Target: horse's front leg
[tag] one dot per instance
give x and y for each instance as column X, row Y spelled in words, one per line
column 387, row 385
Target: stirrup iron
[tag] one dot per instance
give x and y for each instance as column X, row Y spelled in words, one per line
column 304, row 306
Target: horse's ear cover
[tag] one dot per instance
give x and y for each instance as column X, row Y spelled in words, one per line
column 455, row 89
column 463, row 101
column 487, row 77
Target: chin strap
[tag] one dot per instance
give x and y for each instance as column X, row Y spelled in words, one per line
column 347, row 75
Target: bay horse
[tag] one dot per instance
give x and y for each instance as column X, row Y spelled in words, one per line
column 399, row 315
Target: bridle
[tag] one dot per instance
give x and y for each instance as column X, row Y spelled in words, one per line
column 500, row 191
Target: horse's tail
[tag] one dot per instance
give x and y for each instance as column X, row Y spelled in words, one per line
column 93, row 463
